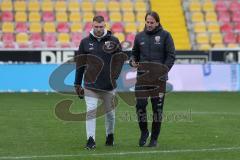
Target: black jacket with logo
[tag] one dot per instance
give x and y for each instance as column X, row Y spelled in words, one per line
column 102, row 67
column 155, row 46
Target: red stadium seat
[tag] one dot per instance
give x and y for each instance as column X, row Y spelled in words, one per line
column 21, row 27
column 88, row 27
column 36, row 39
column 8, row 40
column 130, row 37
column 48, row 16
column 221, row 6
column 76, row 38
column 50, row 39
column 234, row 6
column 63, row 27
column 117, row 27
column 226, row 27
column 224, row 16
column 238, row 38
column 8, row 37
column 7, row 16
column 104, row 14
column 229, row 38
column 236, row 16
column 237, row 27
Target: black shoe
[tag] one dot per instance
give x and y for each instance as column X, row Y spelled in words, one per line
column 109, row 140
column 143, row 138
column 90, row 143
column 153, row 143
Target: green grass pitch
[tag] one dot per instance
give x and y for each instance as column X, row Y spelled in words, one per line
column 196, row 126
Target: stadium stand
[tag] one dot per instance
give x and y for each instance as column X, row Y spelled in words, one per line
column 194, row 24
column 50, row 23
column 213, row 23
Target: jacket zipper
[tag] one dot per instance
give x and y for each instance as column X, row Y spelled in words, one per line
column 149, row 48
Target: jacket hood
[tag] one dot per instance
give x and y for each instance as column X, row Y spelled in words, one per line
column 105, row 34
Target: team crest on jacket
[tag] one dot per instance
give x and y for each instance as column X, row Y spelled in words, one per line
column 110, row 47
column 157, row 39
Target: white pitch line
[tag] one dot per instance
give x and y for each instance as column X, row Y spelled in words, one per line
column 206, row 113
column 120, row 153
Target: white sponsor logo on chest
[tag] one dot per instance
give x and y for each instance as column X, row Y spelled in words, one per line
column 91, row 46
column 157, row 40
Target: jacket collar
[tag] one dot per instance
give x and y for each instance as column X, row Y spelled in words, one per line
column 105, row 35
column 157, row 29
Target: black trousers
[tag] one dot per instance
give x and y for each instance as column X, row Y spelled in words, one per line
column 157, row 100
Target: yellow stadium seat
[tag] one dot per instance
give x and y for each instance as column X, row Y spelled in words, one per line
column 19, row 6
column 20, row 17
column 75, row 17
column 219, row 46
column 211, row 17
column 47, row 6
column 197, row 17
column 213, row 27
column 202, row 38
column 130, row 28
column 22, row 38
column 76, row 27
column 60, row 6
column 199, row 27
column 216, row 38
column 195, row 6
column 128, row 17
column 208, row 6
column 49, row 27
column 6, row 5
column 88, row 16
column 100, row 6
column 115, row 17
column 108, row 26
column 126, row 6
column 63, row 38
column 113, row 6
column 87, row 6
column 120, row 36
column 33, row 6
column 61, row 17
column 35, row 27
column 34, row 17
column 140, row 16
column 140, row 27
column 233, row 45
column 73, row 6
column 140, row 6
column 204, row 47
column 7, row 27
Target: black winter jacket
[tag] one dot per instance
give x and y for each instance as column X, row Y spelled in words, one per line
column 155, row 46
column 101, row 65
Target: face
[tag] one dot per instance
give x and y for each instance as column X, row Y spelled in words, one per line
column 151, row 23
column 98, row 28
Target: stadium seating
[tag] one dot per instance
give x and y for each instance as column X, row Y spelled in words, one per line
column 50, row 23
column 213, row 23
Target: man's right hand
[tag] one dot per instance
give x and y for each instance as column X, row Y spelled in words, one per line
column 134, row 63
column 80, row 91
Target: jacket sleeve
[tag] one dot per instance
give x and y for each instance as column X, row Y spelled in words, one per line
column 169, row 51
column 135, row 51
column 79, row 68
